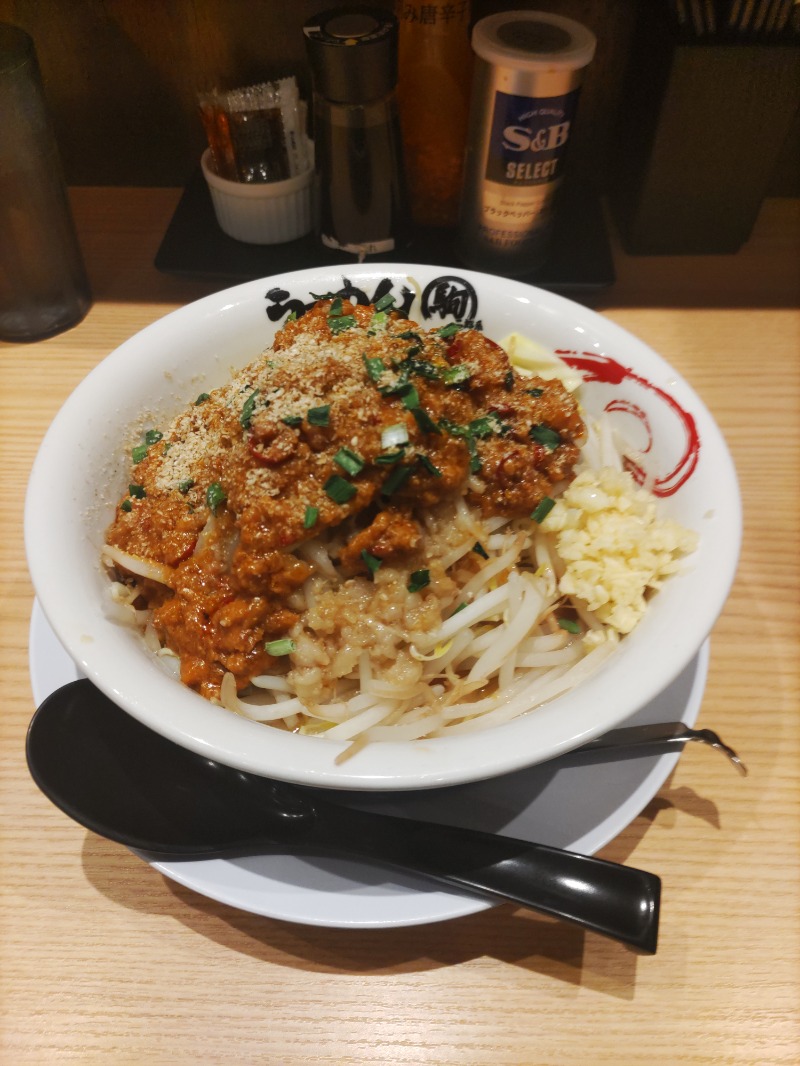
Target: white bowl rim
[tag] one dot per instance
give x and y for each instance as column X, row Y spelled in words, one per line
column 93, row 641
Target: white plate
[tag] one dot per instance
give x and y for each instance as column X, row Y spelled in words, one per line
column 567, row 803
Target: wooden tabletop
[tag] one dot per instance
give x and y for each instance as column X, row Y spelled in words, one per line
column 103, row 960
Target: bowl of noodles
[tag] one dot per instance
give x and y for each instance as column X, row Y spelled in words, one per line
column 382, row 527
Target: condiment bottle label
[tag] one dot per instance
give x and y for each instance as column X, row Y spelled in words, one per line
column 528, row 138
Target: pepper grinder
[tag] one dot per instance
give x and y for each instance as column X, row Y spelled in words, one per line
column 360, row 180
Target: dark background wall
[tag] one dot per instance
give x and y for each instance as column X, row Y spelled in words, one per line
column 122, row 76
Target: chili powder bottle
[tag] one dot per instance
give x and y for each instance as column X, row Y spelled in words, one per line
column 435, row 73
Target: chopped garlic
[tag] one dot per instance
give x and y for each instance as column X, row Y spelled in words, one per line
column 614, row 545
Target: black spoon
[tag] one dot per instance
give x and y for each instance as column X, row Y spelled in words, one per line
column 123, row 781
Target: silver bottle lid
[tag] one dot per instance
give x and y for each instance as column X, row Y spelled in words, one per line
column 353, row 53
column 533, row 40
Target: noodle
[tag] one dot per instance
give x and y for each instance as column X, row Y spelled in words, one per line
column 305, row 576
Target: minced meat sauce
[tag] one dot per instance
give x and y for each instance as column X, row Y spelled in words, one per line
column 353, row 412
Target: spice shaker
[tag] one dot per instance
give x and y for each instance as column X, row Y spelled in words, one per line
column 43, row 284
column 361, row 186
column 435, row 64
column 528, row 72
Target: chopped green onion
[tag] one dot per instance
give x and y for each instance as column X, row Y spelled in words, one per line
column 319, row 416
column 568, row 625
column 545, row 435
column 339, row 490
column 378, row 319
column 399, row 388
column 138, row 453
column 456, row 375
column 153, row 436
column 350, row 462
column 201, row 399
column 166, row 447
column 374, row 367
column 390, row 458
column 184, row 486
column 479, row 549
column 429, row 466
column 248, row 408
column 395, row 480
column 371, row 562
column 424, row 420
column 385, row 302
column 336, row 307
column 475, row 462
column 292, row 420
column 292, row 316
column 535, row 392
column 392, row 436
column 215, row 495
column 310, row 518
column 508, row 381
column 137, row 491
column 126, row 505
column 280, row 647
column 450, row 329
column 340, row 324
column 408, row 335
column 461, row 607
column 420, row 579
column 411, row 399
column 543, row 509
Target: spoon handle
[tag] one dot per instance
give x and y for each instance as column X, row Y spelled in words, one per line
column 617, row 901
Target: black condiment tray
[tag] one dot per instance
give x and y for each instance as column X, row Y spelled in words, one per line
column 195, row 247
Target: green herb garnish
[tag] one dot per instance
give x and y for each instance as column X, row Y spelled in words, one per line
column 386, row 301
column 372, row 562
column 215, row 495
column 280, row 647
column 310, row 517
column 336, row 308
column 319, row 416
column 137, row 491
column 293, row 420
column 350, row 462
column 184, row 486
column 479, row 549
column 138, row 453
column 374, row 367
column 292, row 316
column 424, row 420
column 420, row 579
column 429, row 466
column 339, row 490
column 544, row 435
column 389, row 458
column 247, row 409
column 201, row 399
column 449, row 330
column 153, row 436
column 508, row 381
column 340, row 324
column 543, row 509
column 456, row 375
column 126, row 505
column 395, row 480
column 568, row 625
column 535, row 391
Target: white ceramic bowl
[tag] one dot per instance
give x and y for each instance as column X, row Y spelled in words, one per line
column 81, row 471
column 263, row 212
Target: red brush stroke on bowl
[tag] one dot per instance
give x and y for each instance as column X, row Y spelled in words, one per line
column 607, row 371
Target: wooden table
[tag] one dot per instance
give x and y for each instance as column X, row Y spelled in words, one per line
column 103, row 960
